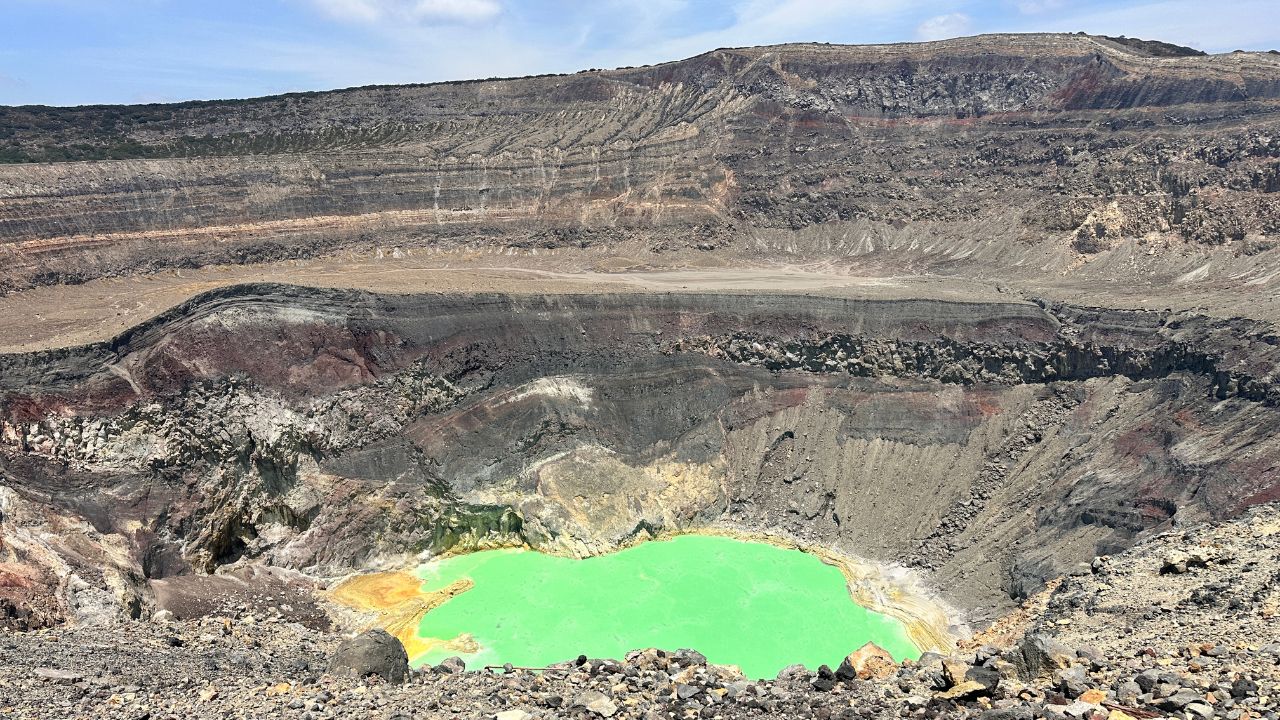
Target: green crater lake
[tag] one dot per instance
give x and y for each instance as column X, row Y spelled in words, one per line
column 750, row 604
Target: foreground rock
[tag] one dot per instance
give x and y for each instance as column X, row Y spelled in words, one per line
column 374, row 652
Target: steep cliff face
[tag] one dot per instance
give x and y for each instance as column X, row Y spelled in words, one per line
column 989, row 445
column 996, row 152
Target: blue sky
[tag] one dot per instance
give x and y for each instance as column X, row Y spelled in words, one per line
column 68, row 52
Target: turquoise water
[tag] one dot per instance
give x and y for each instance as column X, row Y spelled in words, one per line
column 754, row 605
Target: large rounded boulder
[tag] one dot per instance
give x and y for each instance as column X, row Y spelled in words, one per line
column 374, row 652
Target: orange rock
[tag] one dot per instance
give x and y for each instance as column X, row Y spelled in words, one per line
column 1094, row 697
column 870, row 661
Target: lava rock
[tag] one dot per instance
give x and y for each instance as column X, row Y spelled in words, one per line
column 451, row 666
column 793, row 672
column 1180, row 699
column 1243, row 687
column 596, row 702
column 685, row 691
column 374, row 652
column 1073, row 682
column 687, row 657
column 1039, row 653
column 987, row 677
column 825, row 680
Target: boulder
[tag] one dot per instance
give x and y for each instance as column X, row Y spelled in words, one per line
column 987, row 677
column 1039, row 653
column 867, row 662
column 1073, row 682
column 374, row 652
column 1179, row 561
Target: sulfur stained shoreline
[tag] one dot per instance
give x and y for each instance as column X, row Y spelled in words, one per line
column 395, row 600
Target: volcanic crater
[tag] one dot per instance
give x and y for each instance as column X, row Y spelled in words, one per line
column 959, row 317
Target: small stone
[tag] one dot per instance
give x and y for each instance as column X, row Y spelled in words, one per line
column 1199, row 710
column 1079, row 709
column 1128, row 691
column 512, row 715
column 685, row 691
column 1019, row 712
column 56, row 675
column 1243, row 687
column 687, row 657
column 208, row 694
column 1093, row 696
column 451, row 666
column 964, row 690
column 1180, row 699
column 1072, row 682
column 597, row 702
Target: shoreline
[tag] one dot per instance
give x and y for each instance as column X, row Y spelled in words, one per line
column 394, row 600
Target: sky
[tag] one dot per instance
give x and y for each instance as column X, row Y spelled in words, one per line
column 75, row 52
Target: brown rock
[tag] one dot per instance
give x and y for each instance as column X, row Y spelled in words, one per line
column 868, row 661
column 966, row 689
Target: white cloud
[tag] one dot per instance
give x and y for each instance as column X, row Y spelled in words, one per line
column 768, row 22
column 941, row 27
column 425, row 12
column 1214, row 27
column 1033, row 7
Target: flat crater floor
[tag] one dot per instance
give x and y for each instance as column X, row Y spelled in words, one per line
column 755, row 605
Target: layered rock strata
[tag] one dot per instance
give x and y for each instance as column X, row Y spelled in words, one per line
column 988, row 445
column 992, row 155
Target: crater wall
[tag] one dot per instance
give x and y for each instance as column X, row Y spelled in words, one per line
column 988, row 446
